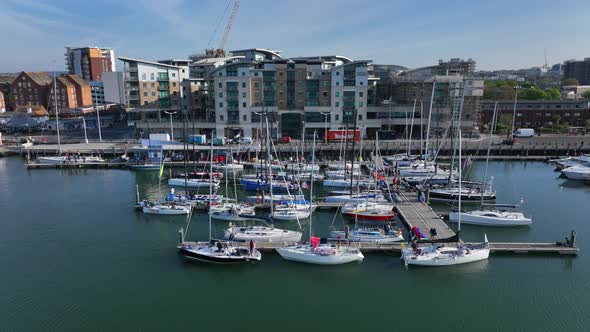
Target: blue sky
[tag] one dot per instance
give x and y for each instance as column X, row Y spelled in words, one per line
column 498, row 34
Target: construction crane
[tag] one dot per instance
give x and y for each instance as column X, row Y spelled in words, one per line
column 220, row 51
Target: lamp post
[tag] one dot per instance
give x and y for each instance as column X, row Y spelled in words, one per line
column 98, row 122
column 85, row 134
column 326, row 114
column 171, row 129
column 516, row 87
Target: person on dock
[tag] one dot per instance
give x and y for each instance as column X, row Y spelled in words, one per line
column 251, row 246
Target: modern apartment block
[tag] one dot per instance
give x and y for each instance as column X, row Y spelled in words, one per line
column 299, row 95
column 152, row 89
column 580, row 70
column 113, row 87
column 90, row 62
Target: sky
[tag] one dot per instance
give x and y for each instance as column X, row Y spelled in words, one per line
column 498, row 34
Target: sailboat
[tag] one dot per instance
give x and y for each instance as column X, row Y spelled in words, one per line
column 491, row 214
column 54, row 159
column 316, row 253
column 443, row 255
column 220, row 252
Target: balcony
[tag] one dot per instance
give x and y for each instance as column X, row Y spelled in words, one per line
column 233, row 121
column 163, row 77
column 162, row 86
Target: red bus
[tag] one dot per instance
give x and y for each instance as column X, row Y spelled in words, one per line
column 337, row 135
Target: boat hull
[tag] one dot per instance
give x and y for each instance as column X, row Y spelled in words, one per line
column 305, row 254
column 207, row 254
column 473, row 219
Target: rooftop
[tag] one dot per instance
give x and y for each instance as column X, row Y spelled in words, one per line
column 39, row 77
column 125, row 59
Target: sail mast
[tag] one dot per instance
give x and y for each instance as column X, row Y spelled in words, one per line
column 460, row 182
column 56, row 111
column 485, row 174
column 210, row 183
column 428, row 126
column 269, row 165
column 311, row 185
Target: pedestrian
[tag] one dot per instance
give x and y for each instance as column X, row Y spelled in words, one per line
column 251, row 246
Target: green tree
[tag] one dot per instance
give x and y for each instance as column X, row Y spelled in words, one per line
column 570, row 81
column 533, row 94
column 504, row 124
column 586, row 94
column 552, row 94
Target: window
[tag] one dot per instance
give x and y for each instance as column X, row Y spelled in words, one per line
column 244, row 105
column 337, row 94
column 143, row 76
column 243, row 95
column 173, row 83
column 221, row 95
column 518, row 114
column 255, row 74
column 361, row 83
column 153, row 93
column 256, row 94
column 174, row 93
column 152, row 76
column 145, row 102
column 220, row 85
column 173, row 74
column 361, row 94
column 243, row 73
column 144, row 84
column 337, row 83
column 221, row 118
column 324, row 83
column 337, row 104
column 256, row 85
column 145, row 94
column 567, row 114
column 220, row 105
column 183, row 70
column 576, row 114
column 360, row 117
column 360, row 104
column 325, row 94
column 245, row 117
column 244, row 85
column 337, row 117
column 337, row 73
column 547, row 114
column 220, row 74
column 153, row 85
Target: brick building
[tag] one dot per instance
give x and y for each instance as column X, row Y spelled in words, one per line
column 29, row 88
column 540, row 113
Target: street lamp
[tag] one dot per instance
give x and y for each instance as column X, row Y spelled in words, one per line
column 85, row 134
column 98, row 121
column 516, row 87
column 171, row 130
column 326, row 114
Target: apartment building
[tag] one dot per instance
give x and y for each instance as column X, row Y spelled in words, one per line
column 90, row 62
column 2, row 103
column 580, row 70
column 153, row 91
column 83, row 90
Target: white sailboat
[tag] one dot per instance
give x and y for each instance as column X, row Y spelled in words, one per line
column 193, row 183
column 443, row 255
column 578, row 172
column 496, row 215
column 316, row 253
column 59, row 159
column 165, row 209
column 219, row 252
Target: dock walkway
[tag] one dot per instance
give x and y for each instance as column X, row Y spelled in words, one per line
column 414, row 213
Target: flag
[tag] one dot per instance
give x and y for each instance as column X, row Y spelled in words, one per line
column 304, row 185
column 467, row 162
column 161, row 170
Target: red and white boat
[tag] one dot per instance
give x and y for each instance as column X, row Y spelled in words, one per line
column 369, row 211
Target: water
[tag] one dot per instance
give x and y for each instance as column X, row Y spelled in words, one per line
column 76, row 256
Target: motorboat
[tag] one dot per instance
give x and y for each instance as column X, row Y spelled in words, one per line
column 370, row 235
column 170, row 208
column 491, row 218
column 220, row 252
column 193, row 183
column 577, row 172
column 52, row 160
column 355, row 198
column 261, row 234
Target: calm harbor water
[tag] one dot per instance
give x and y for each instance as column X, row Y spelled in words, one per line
column 76, row 256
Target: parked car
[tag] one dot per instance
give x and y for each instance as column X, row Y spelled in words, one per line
column 285, row 139
column 245, row 140
column 524, row 132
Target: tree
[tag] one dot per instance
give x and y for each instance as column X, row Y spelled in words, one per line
column 533, row 94
column 504, row 123
column 586, row 94
column 569, row 81
column 552, row 94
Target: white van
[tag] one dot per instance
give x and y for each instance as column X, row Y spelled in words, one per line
column 245, row 140
column 524, row 132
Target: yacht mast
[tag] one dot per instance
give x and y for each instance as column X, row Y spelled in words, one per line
column 428, row 126
column 485, row 174
column 56, row 110
column 460, row 183
column 311, row 184
column 210, row 183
